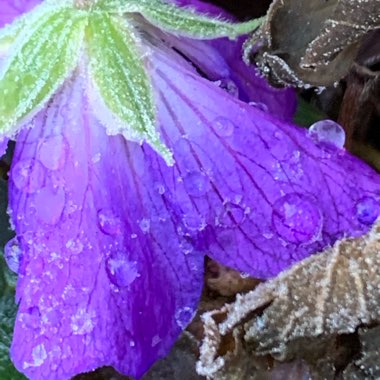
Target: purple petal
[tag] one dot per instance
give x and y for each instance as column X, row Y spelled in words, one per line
column 10, row 9
column 254, row 192
column 105, row 279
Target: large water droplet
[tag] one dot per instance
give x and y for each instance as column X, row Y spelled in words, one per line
column 327, row 131
column 121, row 271
column 297, row 219
column 196, row 184
column 52, row 152
column 183, row 316
column 13, row 255
column 28, row 175
column 368, row 210
column 49, row 204
column 223, row 127
column 108, row 222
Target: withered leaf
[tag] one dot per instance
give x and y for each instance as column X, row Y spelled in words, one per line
column 314, row 42
column 305, row 309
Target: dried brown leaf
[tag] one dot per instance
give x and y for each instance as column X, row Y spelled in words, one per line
column 313, row 42
column 305, row 311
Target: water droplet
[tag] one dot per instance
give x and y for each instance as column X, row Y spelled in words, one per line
column 144, row 225
column 223, row 127
column 327, row 131
column 13, row 255
column 52, row 152
column 28, row 175
column 108, row 222
column 194, row 222
column 49, row 204
column 184, row 316
column 232, row 215
column 121, row 271
column 83, row 322
column 297, row 219
column 368, row 210
column 196, row 184
column 260, row 106
column 186, row 247
column 75, row 246
column 160, row 188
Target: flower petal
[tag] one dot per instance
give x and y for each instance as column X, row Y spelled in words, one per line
column 11, row 9
column 104, row 278
column 254, row 192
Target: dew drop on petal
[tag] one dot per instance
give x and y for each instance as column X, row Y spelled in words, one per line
column 367, row 210
column 232, row 215
column 75, row 246
column 229, row 86
column 108, row 222
column 121, row 271
column 28, row 175
column 184, row 316
column 194, row 222
column 223, row 127
column 327, row 131
column 13, row 255
column 297, row 219
column 196, row 184
column 52, row 152
column 144, row 225
column 83, row 322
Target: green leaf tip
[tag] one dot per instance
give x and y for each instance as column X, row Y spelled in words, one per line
column 182, row 21
column 42, row 56
column 118, row 71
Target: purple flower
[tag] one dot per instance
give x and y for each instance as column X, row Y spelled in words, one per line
column 112, row 239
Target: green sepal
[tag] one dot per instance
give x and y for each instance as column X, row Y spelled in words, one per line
column 118, row 71
column 182, row 21
column 42, row 57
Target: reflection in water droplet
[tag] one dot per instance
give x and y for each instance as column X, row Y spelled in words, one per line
column 28, row 175
column 196, row 184
column 108, row 222
column 13, row 255
column 121, row 271
column 49, row 204
column 52, row 152
column 223, row 127
column 328, row 131
column 260, row 106
column 297, row 219
column 183, row 316
column 368, row 210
